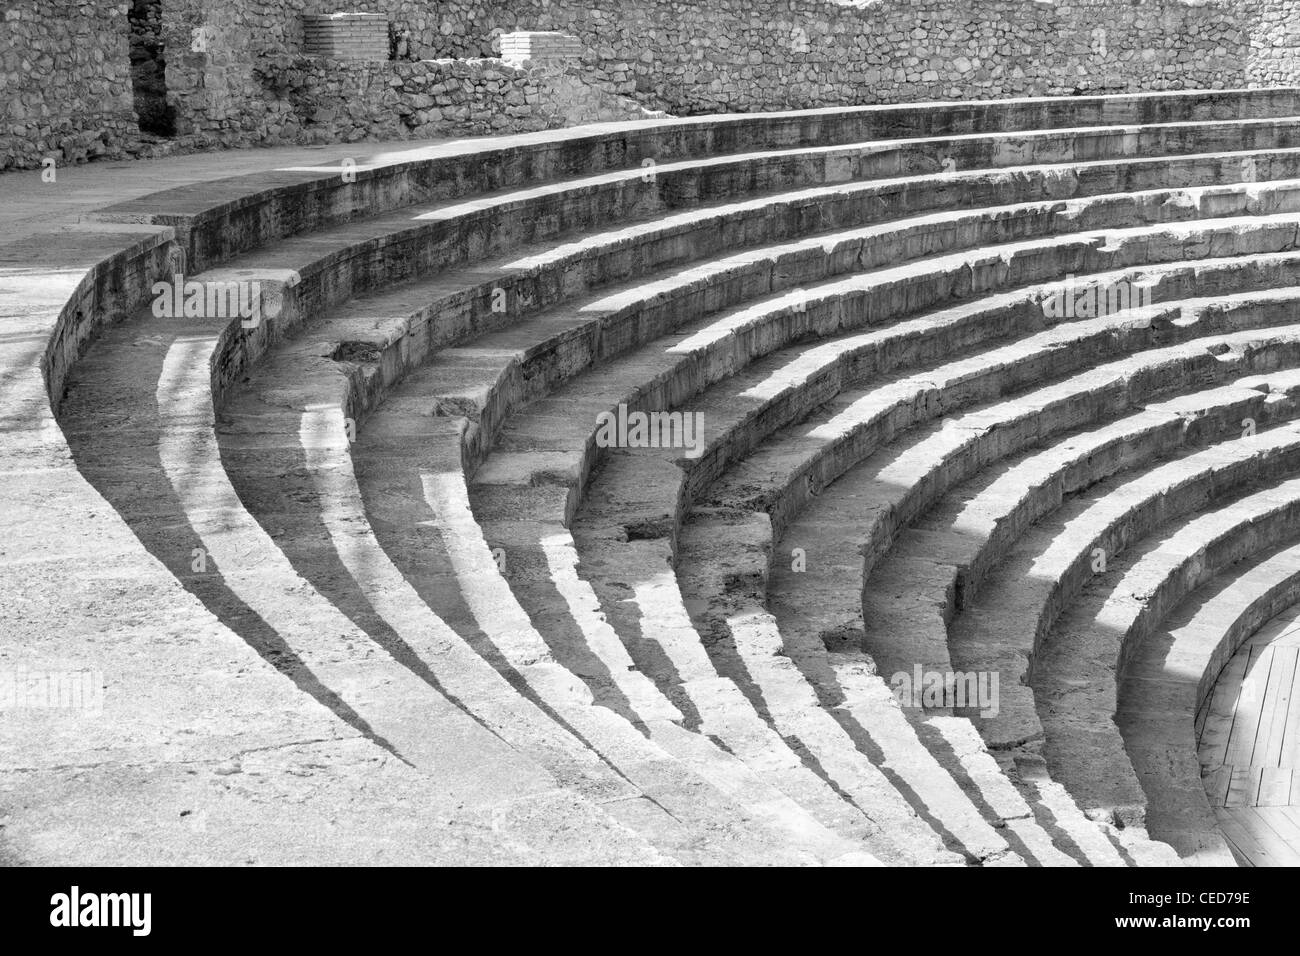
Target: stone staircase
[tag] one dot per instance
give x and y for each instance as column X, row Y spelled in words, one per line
column 367, row 550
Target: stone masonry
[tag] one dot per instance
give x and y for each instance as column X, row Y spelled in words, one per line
column 65, row 82
column 228, row 64
column 311, row 100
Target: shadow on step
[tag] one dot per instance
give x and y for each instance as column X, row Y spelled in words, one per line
column 287, row 495
column 412, row 536
column 116, row 447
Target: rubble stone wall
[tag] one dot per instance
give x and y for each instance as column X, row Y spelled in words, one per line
column 700, row 56
column 235, row 73
column 65, row 81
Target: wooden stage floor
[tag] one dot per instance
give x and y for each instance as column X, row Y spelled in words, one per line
column 1250, row 746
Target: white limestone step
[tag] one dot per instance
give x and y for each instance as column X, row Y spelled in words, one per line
column 775, row 700
column 1053, row 560
column 1074, row 669
column 161, row 469
column 409, row 474
column 1165, row 690
column 880, row 488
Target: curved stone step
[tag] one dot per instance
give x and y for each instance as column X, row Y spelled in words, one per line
column 707, row 548
column 492, row 470
column 982, row 521
column 929, row 558
column 977, row 520
column 1053, row 561
column 523, row 523
column 549, row 422
column 305, row 274
column 293, row 471
column 242, row 218
column 434, row 363
column 743, row 637
column 787, row 471
column 1166, row 688
column 139, row 420
column 639, row 597
column 352, row 234
column 418, row 505
column 786, row 386
column 893, row 486
column 181, row 499
column 1074, row 669
column 264, row 229
column 489, row 376
column 218, row 220
column 212, row 750
column 261, row 424
column 936, row 758
column 775, row 216
column 918, row 624
column 941, row 558
column 669, row 370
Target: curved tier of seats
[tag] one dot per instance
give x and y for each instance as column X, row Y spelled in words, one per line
column 1167, row 492
column 712, row 543
column 529, row 422
column 390, row 488
column 935, row 555
column 1179, row 695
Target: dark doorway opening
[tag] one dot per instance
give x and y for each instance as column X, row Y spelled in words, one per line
column 149, row 69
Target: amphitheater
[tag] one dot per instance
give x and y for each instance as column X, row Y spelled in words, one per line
column 750, row 469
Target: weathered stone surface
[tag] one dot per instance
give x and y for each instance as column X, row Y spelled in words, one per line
column 413, row 546
column 237, row 74
column 65, row 82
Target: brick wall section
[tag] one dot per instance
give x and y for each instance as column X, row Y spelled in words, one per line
column 65, row 81
column 346, row 36
column 527, row 46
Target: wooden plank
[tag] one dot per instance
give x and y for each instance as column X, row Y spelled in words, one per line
column 1289, row 750
column 1282, row 823
column 1258, row 842
column 1241, row 837
column 1276, row 846
column 1245, row 721
column 1276, row 704
column 1216, row 726
column 1274, row 787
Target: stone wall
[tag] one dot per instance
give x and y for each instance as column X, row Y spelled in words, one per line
column 65, row 81
column 322, row 101
column 211, row 50
column 225, row 61
column 697, row 56
column 700, row 56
